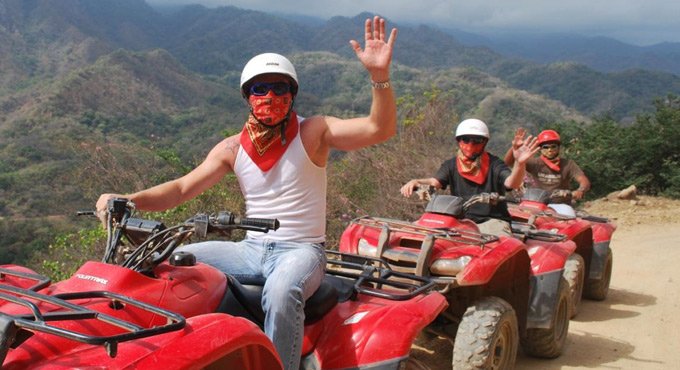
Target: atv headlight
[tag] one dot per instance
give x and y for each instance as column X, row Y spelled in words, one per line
column 366, row 249
column 449, row 267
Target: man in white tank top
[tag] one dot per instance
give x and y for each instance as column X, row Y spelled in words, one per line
column 280, row 161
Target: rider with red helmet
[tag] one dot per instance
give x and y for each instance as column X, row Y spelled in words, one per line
column 550, row 171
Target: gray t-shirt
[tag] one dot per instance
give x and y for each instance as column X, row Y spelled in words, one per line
column 545, row 178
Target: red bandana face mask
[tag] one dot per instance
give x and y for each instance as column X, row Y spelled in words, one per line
column 270, row 109
column 471, row 150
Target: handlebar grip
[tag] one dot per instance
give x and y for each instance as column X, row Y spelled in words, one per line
column 265, row 223
column 229, row 219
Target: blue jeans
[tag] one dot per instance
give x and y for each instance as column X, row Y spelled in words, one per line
column 293, row 272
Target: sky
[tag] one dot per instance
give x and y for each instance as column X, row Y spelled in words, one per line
column 638, row 22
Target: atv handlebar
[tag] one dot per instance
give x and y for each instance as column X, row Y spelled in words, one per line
column 225, row 221
column 250, row 223
column 484, row 198
column 142, row 244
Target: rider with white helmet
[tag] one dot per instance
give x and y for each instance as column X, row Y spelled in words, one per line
column 473, row 170
column 279, row 159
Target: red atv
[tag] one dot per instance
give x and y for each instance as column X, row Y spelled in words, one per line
column 500, row 289
column 589, row 269
column 151, row 307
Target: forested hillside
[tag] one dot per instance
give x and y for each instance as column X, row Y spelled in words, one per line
column 102, row 96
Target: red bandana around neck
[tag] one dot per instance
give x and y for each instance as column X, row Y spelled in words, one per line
column 263, row 143
column 474, row 170
column 553, row 164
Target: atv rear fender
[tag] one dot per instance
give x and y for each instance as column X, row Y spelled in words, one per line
column 369, row 331
column 216, row 340
column 602, row 231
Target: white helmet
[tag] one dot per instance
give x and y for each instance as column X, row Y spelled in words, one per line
column 268, row 63
column 472, row 126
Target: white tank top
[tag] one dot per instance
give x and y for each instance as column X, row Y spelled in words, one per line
column 293, row 191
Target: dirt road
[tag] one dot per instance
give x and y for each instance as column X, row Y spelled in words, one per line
column 638, row 325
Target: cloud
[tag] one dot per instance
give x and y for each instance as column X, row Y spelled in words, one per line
column 635, row 21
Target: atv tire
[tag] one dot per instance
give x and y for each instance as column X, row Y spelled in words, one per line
column 597, row 289
column 549, row 343
column 574, row 273
column 487, row 337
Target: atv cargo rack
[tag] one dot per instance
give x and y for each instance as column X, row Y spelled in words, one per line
column 15, row 328
column 526, row 230
column 374, row 277
column 430, row 236
column 14, row 278
column 592, row 218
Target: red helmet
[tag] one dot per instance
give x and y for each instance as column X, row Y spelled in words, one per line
column 547, row 136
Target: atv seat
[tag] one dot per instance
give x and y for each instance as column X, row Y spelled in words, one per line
column 244, row 298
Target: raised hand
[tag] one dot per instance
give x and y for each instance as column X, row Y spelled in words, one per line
column 526, row 150
column 519, row 138
column 377, row 53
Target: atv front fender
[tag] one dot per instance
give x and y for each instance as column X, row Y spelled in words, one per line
column 484, row 268
column 544, row 299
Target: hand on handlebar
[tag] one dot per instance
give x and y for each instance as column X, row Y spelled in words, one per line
column 408, row 188
column 484, row 198
column 578, row 194
column 103, row 206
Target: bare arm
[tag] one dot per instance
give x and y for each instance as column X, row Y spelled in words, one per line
column 175, row 192
column 409, row 187
column 381, row 122
column 583, row 187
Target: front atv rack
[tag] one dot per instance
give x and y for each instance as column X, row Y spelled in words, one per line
column 430, row 236
column 15, row 278
column 41, row 309
column 374, row 277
